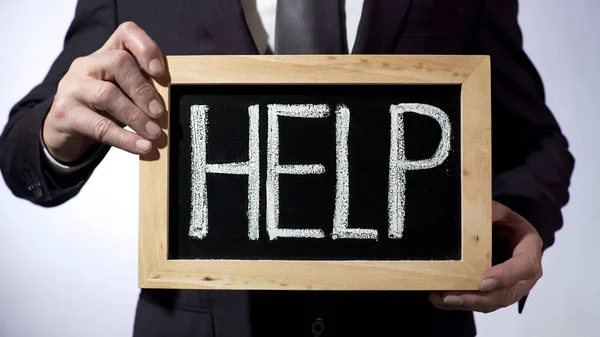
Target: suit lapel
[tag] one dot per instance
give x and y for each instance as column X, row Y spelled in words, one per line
column 226, row 22
column 380, row 26
column 378, row 31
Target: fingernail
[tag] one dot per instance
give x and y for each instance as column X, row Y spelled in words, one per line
column 488, row 284
column 453, row 300
column 143, row 145
column 152, row 128
column 155, row 108
column 156, row 66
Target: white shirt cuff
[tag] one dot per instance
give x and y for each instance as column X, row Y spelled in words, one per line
column 64, row 168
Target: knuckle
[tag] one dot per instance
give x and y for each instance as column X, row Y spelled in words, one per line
column 67, row 85
column 101, row 129
column 106, row 92
column 61, row 107
column 147, row 49
column 78, row 63
column 142, row 90
column 510, row 297
column 121, row 139
column 120, row 58
column 534, row 267
column 136, row 119
column 128, row 26
column 530, row 266
column 132, row 117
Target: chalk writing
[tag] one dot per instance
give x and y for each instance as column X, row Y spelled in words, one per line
column 199, row 218
column 398, row 166
column 342, row 195
column 274, row 169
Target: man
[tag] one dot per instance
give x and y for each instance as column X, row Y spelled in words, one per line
column 62, row 129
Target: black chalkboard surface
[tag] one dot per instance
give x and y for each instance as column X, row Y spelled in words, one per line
column 333, row 172
column 432, row 198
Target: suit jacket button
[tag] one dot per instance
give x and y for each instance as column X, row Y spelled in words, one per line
column 318, row 327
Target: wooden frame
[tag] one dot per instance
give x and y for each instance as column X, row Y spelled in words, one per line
column 472, row 72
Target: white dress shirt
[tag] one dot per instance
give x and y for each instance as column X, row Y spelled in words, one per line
column 260, row 17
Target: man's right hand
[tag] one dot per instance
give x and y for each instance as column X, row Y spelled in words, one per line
column 105, row 91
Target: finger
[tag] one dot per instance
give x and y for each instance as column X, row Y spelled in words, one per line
column 525, row 265
column 437, row 300
column 129, row 36
column 446, row 300
column 107, row 97
column 481, row 301
column 504, row 216
column 499, row 211
column 118, row 66
column 527, row 249
column 97, row 127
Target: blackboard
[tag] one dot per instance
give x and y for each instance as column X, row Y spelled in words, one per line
column 319, row 172
column 432, row 196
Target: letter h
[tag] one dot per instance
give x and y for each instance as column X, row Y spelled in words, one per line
column 199, row 169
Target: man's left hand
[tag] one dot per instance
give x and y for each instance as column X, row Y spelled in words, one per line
column 506, row 283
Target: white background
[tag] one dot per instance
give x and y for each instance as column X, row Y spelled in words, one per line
column 72, row 270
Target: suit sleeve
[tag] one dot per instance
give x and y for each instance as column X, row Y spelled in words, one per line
column 531, row 162
column 26, row 172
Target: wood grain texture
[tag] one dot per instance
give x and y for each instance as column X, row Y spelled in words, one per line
column 473, row 72
column 154, row 201
column 477, row 168
column 313, row 275
column 322, row 69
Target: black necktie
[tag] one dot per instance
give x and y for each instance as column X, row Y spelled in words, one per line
column 310, row 27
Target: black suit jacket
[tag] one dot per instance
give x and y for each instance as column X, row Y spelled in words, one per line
column 531, row 161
